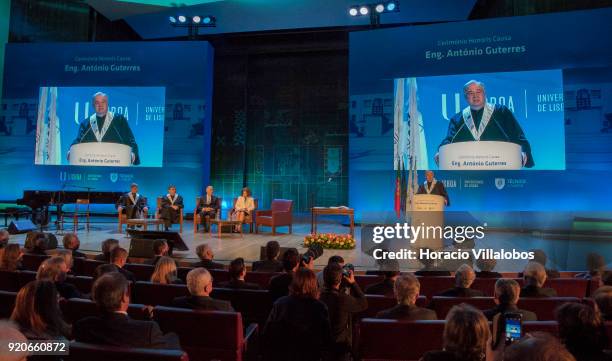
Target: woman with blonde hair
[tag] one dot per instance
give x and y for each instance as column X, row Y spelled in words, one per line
column 165, row 272
column 67, row 256
column 245, row 204
column 11, row 258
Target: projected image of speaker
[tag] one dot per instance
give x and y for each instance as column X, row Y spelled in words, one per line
column 21, row 226
column 173, row 238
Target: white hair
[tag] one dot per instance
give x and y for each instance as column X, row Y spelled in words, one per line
column 464, row 276
column 99, row 94
column 197, row 280
column 478, row 83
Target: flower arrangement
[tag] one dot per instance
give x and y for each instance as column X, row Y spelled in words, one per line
column 330, row 240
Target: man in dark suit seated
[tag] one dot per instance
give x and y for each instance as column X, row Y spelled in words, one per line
column 464, row 277
column 406, row 289
column 279, row 285
column 199, row 284
column 119, row 258
column 507, row 292
column 430, row 269
column 160, row 249
column 486, row 267
column 114, row 327
column 206, row 255
column 390, row 270
column 540, row 257
column 237, row 272
column 208, row 206
column 534, row 276
column 271, row 263
column 71, row 242
column 107, row 246
column 341, row 307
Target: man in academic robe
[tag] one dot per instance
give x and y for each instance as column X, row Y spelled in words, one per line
column 487, row 122
column 432, row 186
column 133, row 204
column 171, row 206
column 105, row 126
column 208, row 206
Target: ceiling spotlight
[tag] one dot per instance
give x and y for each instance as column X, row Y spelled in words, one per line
column 182, row 19
column 207, row 20
column 391, row 6
column 172, row 19
column 364, row 10
column 196, row 19
column 353, row 11
column 379, row 8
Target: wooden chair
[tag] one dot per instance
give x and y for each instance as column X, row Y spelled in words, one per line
column 122, row 218
column 250, row 219
column 279, row 215
column 197, row 218
column 76, row 214
column 158, row 214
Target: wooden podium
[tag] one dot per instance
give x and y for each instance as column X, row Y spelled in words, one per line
column 428, row 210
column 101, row 154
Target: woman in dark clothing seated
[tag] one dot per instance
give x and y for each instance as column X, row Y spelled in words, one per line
column 11, row 258
column 54, row 269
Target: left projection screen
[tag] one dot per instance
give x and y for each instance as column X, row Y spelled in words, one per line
column 100, row 126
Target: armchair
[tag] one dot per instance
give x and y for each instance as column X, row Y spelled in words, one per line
column 279, row 215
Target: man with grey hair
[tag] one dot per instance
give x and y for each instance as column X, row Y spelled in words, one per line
column 534, row 277
column 481, row 120
column 507, row 292
column 200, row 285
column 432, row 186
column 206, row 255
column 406, row 289
column 208, row 206
column 464, row 277
column 105, row 126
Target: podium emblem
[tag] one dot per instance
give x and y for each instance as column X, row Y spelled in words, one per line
column 114, row 177
column 500, row 183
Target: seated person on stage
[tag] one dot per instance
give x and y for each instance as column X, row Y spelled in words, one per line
column 390, row 271
column 603, row 300
column 540, row 257
column 406, row 288
column 534, row 276
column 165, row 272
column 237, row 272
column 119, row 258
column 133, row 204
column 171, row 206
column 487, row 122
column 279, row 285
column 333, row 259
column 107, row 247
column 208, row 206
column 507, row 292
column 54, row 269
column 10, row 259
column 431, row 269
column 432, row 186
column 464, row 277
column 160, row 249
column 271, row 263
column 206, row 255
column 111, row 293
column 486, row 267
column 105, row 126
column 200, row 285
column 245, row 204
column 71, row 242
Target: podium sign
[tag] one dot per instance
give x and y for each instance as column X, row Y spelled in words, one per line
column 101, row 154
column 428, row 210
column 481, row 155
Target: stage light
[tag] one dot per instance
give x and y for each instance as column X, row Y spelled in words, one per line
column 207, row 20
column 182, row 19
column 196, row 19
column 364, row 10
column 353, row 11
column 379, row 8
column 172, row 19
column 391, row 6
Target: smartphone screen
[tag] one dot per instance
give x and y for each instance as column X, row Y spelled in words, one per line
column 513, row 327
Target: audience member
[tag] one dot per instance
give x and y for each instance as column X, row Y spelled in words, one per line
column 237, row 272
column 67, row 256
column 486, row 267
column 11, row 258
column 603, row 300
column 466, row 334
column 10, row 334
column 104, row 269
column 119, row 258
column 430, row 268
column 406, row 289
column 333, row 259
column 206, row 255
column 507, row 292
column 582, row 331
column 540, row 257
column 165, row 272
column 107, row 247
column 537, row 346
column 114, row 327
column 160, row 249
column 534, row 276
column 390, row 271
column 4, row 238
column 279, row 285
column 199, row 284
column 271, row 263
column 606, row 279
column 298, row 327
column 54, row 269
column 596, row 265
column 464, row 277
column 341, row 307
column 71, row 242
column 37, row 312
column 39, row 244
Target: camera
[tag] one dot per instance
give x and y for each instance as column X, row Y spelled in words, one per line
column 315, row 251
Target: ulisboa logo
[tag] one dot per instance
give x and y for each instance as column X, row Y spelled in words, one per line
column 500, row 183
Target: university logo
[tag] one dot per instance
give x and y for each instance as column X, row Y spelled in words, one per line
column 500, row 183
column 114, row 177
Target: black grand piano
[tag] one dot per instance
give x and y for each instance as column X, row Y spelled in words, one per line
column 40, row 201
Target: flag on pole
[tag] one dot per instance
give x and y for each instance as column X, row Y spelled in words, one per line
column 48, row 136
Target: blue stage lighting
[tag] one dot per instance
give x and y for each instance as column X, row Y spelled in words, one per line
column 207, row 20
column 353, row 11
column 196, row 19
column 379, row 8
column 172, row 20
column 182, row 19
column 391, row 6
column 364, row 10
